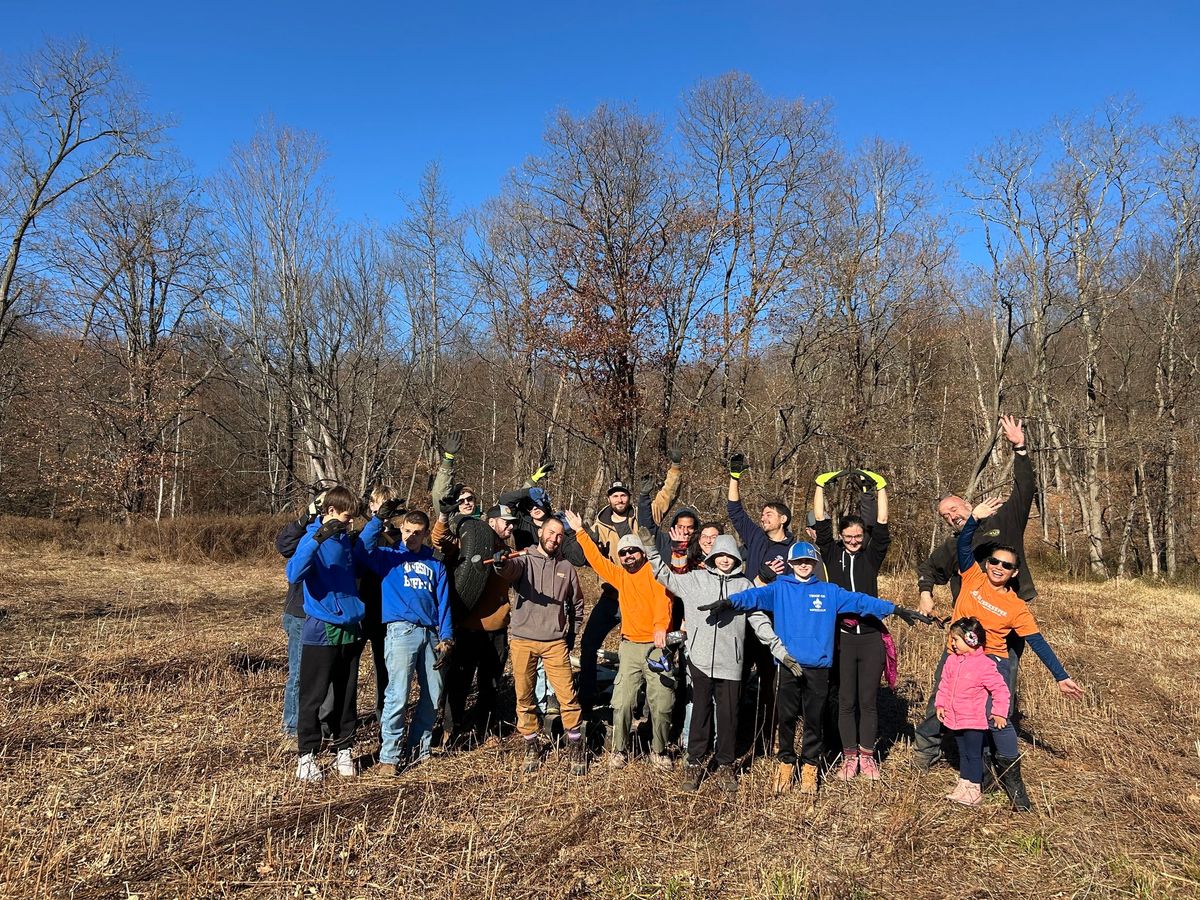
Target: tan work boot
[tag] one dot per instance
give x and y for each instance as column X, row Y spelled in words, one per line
column 808, row 779
column 785, row 774
column 383, row 770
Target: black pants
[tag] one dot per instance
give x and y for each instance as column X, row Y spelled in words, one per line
column 758, row 658
column 604, row 617
column 860, row 665
column 797, row 694
column 480, row 655
column 725, row 694
column 323, row 668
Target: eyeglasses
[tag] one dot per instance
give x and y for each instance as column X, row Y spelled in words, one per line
column 1002, row 563
column 628, row 551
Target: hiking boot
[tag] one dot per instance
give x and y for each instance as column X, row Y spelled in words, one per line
column 308, row 769
column 727, row 779
column 956, row 792
column 577, row 756
column 383, row 770
column 808, row 779
column 1010, row 779
column 849, row 767
column 660, row 761
column 867, row 767
column 785, row 775
column 533, row 754
column 345, row 764
column 617, row 759
column 692, row 776
column 971, row 795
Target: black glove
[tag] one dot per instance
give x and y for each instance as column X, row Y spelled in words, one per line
column 497, row 558
column 716, row 606
column 647, row 485
column 912, row 617
column 389, row 509
column 441, row 653
column 789, row 663
column 737, row 465
column 329, row 528
column 448, row 504
column 451, row 445
column 676, row 450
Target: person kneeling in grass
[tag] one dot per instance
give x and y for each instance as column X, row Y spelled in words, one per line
column 987, row 595
column 326, row 563
column 805, row 617
column 645, row 615
column 418, row 636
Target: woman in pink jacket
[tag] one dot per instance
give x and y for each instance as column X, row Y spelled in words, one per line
column 971, row 691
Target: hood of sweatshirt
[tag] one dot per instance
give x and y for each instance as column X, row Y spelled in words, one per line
column 725, row 545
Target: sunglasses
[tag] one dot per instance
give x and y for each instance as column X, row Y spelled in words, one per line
column 462, row 500
column 1002, row 563
column 628, row 551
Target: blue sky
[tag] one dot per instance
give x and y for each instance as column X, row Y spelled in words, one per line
column 392, row 86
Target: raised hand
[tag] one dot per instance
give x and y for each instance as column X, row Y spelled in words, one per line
column 329, row 528
column 389, row 509
column 986, row 508
column 873, row 479
column 776, row 565
column 675, row 451
column 1013, row 432
column 451, row 445
column 448, row 503
column 573, row 519
column 737, row 465
column 826, row 477
column 677, row 535
column 647, row 485
column 545, row 467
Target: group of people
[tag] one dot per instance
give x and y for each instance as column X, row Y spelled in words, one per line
column 702, row 614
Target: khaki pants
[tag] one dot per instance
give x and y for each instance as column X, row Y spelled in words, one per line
column 632, row 672
column 557, row 663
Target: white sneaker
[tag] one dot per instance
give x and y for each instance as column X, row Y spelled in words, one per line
column 307, row 769
column 345, row 764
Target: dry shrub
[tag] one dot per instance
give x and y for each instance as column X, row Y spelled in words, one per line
column 185, row 539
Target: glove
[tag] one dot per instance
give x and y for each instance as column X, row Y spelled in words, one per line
column 441, row 653
column 912, row 617
column 647, row 485
column 449, row 503
column 675, row 452
column 497, row 558
column 544, row 469
column 716, row 606
column 872, row 480
column 389, row 509
column 737, row 465
column 789, row 663
column 825, row 477
column 329, row 528
column 451, row 445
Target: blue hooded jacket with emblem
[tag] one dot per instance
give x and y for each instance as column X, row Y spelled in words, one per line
column 805, row 614
column 327, row 572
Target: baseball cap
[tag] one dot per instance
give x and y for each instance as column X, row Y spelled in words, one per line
column 500, row 511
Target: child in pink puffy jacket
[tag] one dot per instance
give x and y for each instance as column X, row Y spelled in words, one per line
column 971, row 691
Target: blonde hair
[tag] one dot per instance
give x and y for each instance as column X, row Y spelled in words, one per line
column 381, row 493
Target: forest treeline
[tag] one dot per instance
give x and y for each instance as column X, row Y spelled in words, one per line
column 735, row 276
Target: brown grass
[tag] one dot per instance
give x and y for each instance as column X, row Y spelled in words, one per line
column 140, row 755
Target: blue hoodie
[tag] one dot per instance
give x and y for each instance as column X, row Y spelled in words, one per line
column 806, row 614
column 413, row 586
column 327, row 573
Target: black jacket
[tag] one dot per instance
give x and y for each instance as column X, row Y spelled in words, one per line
column 1007, row 526
column 285, row 542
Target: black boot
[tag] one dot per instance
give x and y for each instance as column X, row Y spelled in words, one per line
column 1009, row 772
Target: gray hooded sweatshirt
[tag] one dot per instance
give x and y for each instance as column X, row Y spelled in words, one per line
column 715, row 641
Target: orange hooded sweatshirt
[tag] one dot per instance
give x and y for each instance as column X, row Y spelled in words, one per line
column 645, row 606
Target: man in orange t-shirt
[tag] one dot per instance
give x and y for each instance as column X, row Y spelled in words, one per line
column 645, row 616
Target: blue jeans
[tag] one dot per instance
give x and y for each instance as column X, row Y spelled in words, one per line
column 293, row 625
column 408, row 648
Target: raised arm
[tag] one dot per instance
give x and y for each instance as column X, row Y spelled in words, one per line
column 670, row 487
column 966, row 552
column 597, row 560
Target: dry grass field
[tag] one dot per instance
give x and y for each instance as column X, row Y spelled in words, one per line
column 140, row 755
